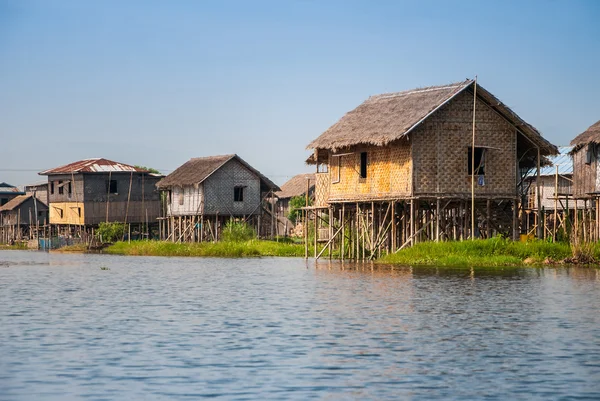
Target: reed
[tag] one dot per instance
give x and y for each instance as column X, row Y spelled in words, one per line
column 230, row 249
column 492, row 252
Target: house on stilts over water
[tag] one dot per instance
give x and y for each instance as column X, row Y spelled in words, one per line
column 206, row 192
column 88, row 192
column 398, row 169
column 586, row 182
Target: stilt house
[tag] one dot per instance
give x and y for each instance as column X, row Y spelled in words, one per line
column 21, row 217
column 91, row 191
column 403, row 164
column 586, row 180
column 205, row 192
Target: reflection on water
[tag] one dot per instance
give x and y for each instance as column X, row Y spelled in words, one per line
column 106, row 327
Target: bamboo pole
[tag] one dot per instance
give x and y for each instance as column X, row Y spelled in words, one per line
column 539, row 195
column 473, row 163
column 555, row 204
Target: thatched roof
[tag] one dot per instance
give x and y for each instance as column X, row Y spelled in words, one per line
column 296, row 186
column 95, row 165
column 386, row 118
column 592, row 134
column 198, row 169
column 16, row 202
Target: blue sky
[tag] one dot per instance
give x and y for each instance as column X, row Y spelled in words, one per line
column 156, row 83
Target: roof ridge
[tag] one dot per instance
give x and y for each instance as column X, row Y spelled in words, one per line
column 420, row 90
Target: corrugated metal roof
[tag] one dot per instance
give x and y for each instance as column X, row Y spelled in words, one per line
column 563, row 160
column 6, row 188
column 96, row 165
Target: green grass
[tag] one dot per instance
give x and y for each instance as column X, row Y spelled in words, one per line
column 219, row 249
column 491, row 252
column 19, row 245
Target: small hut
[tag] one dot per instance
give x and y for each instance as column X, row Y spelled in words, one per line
column 88, row 192
column 402, row 168
column 206, row 192
column 586, row 180
column 21, row 218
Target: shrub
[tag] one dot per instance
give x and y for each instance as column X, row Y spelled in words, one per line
column 296, row 203
column 238, row 231
column 110, row 232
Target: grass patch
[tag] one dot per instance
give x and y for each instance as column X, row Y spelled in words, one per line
column 248, row 248
column 19, row 246
column 492, row 252
column 76, row 248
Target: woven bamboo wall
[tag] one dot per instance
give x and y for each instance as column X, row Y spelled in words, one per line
column 584, row 175
column 322, row 189
column 388, row 174
column 440, row 151
column 219, row 191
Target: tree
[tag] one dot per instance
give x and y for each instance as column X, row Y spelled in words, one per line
column 297, row 202
column 149, row 169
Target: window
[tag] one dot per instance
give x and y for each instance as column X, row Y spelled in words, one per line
column 79, row 211
column 238, row 194
column 111, row 186
column 181, row 192
column 3, row 201
column 52, row 187
column 69, row 189
column 479, row 161
column 61, row 189
column 336, row 166
column 363, row 165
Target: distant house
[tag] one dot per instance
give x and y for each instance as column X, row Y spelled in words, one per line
column 20, row 216
column 8, row 192
column 557, row 173
column 205, row 192
column 295, row 186
column 91, row 191
column 40, row 190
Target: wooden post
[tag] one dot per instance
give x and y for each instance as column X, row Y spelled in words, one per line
column 316, row 231
column 412, row 222
column 437, row 220
column 473, row 163
column 539, row 196
column 489, row 218
column 343, row 249
column 555, row 204
column 394, row 229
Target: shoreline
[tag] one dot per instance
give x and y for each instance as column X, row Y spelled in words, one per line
column 490, row 253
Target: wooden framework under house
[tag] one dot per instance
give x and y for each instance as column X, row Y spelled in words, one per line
column 85, row 193
column 558, row 205
column 203, row 194
column 407, row 167
column 586, row 183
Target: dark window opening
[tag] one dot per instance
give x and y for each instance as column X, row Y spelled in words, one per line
column 363, row 165
column 3, row 201
column 52, row 187
column 61, row 189
column 40, row 213
column 69, row 189
column 238, row 194
column 79, row 211
column 111, row 186
column 479, row 161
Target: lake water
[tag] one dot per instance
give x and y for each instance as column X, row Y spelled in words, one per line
column 141, row 328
